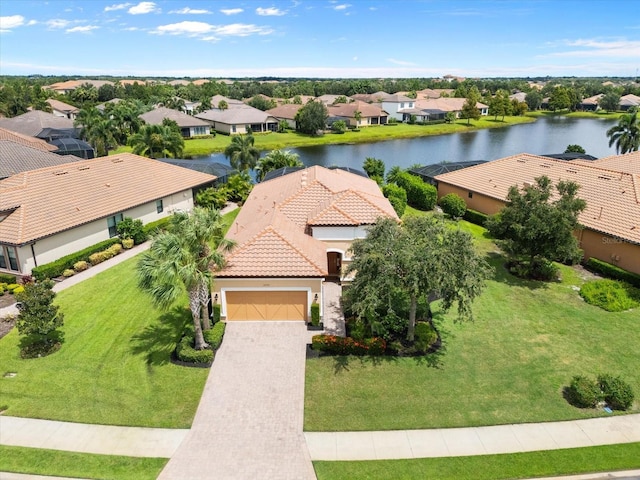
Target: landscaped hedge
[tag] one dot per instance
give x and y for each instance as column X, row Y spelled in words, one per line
column 475, row 217
column 315, row 314
column 214, row 335
column 420, row 195
column 348, row 346
column 397, row 197
column 55, row 269
column 186, row 353
column 216, row 313
column 617, row 393
column 583, row 392
column 611, row 271
column 6, row 278
column 453, row 205
column 161, row 224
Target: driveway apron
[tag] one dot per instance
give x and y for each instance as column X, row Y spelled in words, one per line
column 249, row 421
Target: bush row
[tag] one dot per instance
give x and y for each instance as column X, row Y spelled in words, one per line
column 420, row 195
column 6, row 278
column 161, row 224
column 397, row 197
column 586, row 393
column 99, row 257
column 10, row 287
column 348, row 346
column 315, row 314
column 214, row 335
column 55, row 269
column 475, row 217
column 186, row 353
column 611, row 271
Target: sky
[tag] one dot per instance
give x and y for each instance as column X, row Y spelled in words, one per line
column 321, row 38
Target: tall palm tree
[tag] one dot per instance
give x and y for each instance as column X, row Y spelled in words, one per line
column 97, row 129
column 157, row 141
column 241, row 152
column 183, row 259
column 626, row 135
column 276, row 159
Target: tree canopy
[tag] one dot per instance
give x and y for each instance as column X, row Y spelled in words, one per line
column 241, row 152
column 419, row 260
column 157, row 141
column 536, row 229
column 626, row 135
column 276, row 159
column 470, row 107
column 312, row 118
column 38, row 318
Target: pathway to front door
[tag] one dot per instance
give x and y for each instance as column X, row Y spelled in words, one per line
column 250, row 418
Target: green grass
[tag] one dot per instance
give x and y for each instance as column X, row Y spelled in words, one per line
column 509, row 365
column 566, row 113
column 489, row 467
column 85, row 465
column 272, row 140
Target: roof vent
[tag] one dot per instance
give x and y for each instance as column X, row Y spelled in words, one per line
column 521, row 160
column 117, row 160
column 605, row 177
column 83, row 167
column 545, row 165
column 572, row 170
column 60, row 172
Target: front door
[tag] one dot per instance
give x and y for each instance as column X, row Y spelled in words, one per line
column 334, row 263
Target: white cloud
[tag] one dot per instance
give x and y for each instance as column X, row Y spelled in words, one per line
column 82, row 29
column 270, row 12
column 401, row 62
column 231, row 11
column 599, row 48
column 143, row 7
column 210, row 32
column 58, row 23
column 12, row 21
column 342, row 6
column 191, row 11
column 119, row 6
column 32, row 22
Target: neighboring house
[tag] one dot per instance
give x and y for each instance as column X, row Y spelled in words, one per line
column 629, row 101
column 610, row 187
column 17, row 157
column 369, row 97
column 231, row 102
column 37, row 123
column 518, row 96
column 293, row 232
column 70, row 85
column 189, row 126
column 329, row 99
column 429, row 173
column 436, row 108
column 239, row 119
column 394, row 104
column 286, row 112
column 591, row 104
column 26, row 140
column 61, row 109
column 218, row 170
column 370, row 114
column 102, row 106
column 51, row 212
column 427, row 93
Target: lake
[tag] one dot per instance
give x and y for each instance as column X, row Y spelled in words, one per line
column 544, row 136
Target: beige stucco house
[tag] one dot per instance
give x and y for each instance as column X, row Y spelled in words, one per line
column 293, row 233
column 51, row 212
column 610, row 186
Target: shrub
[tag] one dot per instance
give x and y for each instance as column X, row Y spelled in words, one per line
column 537, row 269
column 397, row 197
column 55, row 269
column 612, row 271
column 186, row 353
column 97, row 258
column 212, row 198
column 116, row 249
column 161, row 224
column 127, row 243
column 214, row 335
column 425, row 336
column 18, row 289
column 130, row 228
column 339, row 126
column 610, row 295
column 475, row 217
column 216, row 312
column 80, row 266
column 453, row 205
column 11, row 287
column 315, row 314
column 348, row 346
column 420, row 195
column 583, row 393
column 68, row 273
column 6, row 278
column 617, row 393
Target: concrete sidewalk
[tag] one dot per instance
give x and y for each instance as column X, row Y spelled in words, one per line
column 454, row 442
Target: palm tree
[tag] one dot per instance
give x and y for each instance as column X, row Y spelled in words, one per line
column 182, row 259
column 156, row 141
column 241, row 152
column 626, row 135
column 96, row 129
column 276, row 159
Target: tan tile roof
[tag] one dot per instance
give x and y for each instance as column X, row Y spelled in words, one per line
column 287, row 110
column 19, row 157
column 61, row 106
column 272, row 228
column 349, row 109
column 157, row 115
column 54, row 199
column 445, row 104
column 628, row 163
column 32, row 142
column 612, row 197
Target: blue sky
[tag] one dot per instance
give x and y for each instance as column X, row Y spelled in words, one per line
column 321, row 38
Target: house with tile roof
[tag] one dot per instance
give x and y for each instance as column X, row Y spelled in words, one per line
column 629, row 101
column 436, row 108
column 36, row 123
column 239, row 119
column 61, row 109
column 29, row 141
column 16, row 157
column 51, row 212
column 294, row 232
column 393, row 104
column 287, row 112
column 190, row 126
column 610, row 187
column 370, row 114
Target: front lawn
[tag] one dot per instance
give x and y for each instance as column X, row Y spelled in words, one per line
column 113, row 367
column 85, row 465
column 489, row 467
column 508, row 366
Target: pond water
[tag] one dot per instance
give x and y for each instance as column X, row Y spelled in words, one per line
column 544, row 136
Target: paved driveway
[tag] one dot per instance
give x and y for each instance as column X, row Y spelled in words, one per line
column 249, row 421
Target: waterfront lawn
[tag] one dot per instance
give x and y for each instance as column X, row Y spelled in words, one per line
column 509, row 365
column 199, row 147
column 490, row 467
column 70, row 464
column 113, row 367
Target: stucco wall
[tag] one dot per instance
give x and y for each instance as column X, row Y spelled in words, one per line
column 478, row 202
column 313, row 286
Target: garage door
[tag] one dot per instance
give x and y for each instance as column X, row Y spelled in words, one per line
column 266, row 305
